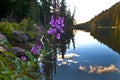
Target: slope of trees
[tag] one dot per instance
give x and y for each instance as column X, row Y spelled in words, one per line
column 110, row 17
column 16, row 10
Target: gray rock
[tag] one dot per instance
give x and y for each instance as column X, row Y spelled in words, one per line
column 17, row 51
column 2, row 49
column 4, row 41
column 2, row 37
column 20, row 36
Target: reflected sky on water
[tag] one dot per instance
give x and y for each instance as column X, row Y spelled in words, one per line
column 90, row 60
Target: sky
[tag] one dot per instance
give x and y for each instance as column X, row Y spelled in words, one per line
column 87, row 9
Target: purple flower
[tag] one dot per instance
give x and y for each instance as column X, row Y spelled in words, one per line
column 61, row 21
column 52, row 22
column 58, row 36
column 56, row 26
column 38, row 47
column 52, row 31
column 62, row 31
column 35, row 49
column 24, row 58
column 62, row 25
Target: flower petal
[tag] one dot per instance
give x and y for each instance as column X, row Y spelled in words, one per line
column 58, row 36
column 24, row 58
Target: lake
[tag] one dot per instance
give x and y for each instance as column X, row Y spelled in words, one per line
column 93, row 58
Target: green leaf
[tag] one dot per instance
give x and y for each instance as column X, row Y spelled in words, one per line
column 9, row 54
column 31, row 64
column 29, row 55
column 5, row 42
column 43, row 51
column 3, row 61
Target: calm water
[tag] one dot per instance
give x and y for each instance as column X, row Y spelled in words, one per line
column 90, row 60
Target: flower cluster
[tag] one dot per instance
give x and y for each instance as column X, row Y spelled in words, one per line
column 35, row 49
column 56, row 27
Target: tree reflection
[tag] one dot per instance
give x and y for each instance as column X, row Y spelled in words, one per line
column 65, row 42
column 108, row 36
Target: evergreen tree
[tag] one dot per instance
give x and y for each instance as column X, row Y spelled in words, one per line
column 63, row 8
column 45, row 11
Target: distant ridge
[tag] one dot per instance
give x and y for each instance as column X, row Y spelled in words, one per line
column 107, row 18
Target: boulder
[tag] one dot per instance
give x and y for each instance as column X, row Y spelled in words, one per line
column 17, row 51
column 4, row 41
column 20, row 36
column 2, row 49
column 2, row 37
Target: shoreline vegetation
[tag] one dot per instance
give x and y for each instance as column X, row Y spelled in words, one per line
column 22, row 24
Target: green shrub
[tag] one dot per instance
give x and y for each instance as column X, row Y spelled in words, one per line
column 31, row 34
column 26, row 25
column 6, row 27
column 23, row 25
column 30, row 25
column 15, row 26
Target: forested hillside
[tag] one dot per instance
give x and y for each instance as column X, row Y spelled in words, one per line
column 38, row 11
column 107, row 18
column 23, row 15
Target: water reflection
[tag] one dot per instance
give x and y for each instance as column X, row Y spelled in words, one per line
column 68, row 56
column 90, row 60
column 99, row 69
column 64, row 43
column 108, row 36
column 67, row 59
column 94, row 60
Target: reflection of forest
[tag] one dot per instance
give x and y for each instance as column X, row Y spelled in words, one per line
column 65, row 41
column 110, row 37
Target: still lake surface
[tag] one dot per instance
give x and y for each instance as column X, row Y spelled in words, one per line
column 91, row 59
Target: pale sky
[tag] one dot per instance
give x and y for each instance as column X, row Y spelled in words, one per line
column 87, row 9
